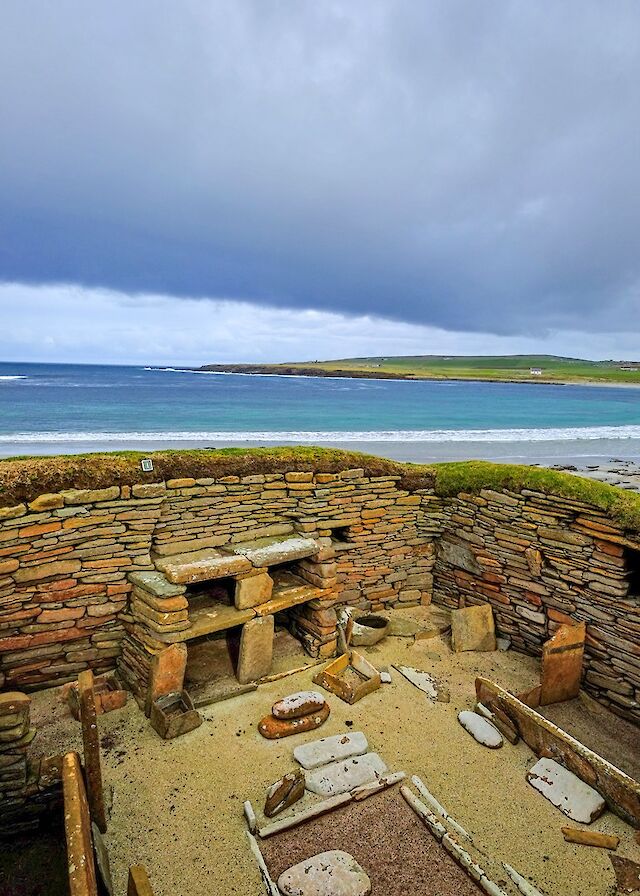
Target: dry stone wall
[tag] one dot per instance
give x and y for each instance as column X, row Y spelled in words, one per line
column 543, row 560
column 67, row 559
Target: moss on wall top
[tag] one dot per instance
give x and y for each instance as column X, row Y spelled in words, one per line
column 24, row 478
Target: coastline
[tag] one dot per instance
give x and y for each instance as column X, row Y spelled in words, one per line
column 321, row 373
column 548, row 453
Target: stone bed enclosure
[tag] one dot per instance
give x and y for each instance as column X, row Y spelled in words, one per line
column 106, row 577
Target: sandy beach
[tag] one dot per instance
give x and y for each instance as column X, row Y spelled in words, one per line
column 177, row 805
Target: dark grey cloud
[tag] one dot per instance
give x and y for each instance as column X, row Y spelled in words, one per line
column 467, row 165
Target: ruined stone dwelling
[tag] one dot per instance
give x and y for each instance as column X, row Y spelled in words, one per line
column 107, row 575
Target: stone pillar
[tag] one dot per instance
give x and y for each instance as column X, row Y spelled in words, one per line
column 166, row 673
column 256, row 649
column 15, row 737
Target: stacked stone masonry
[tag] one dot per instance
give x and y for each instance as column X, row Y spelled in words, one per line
column 85, row 576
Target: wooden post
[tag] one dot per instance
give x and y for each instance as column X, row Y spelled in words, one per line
column 77, row 829
column 91, row 744
column 138, row 884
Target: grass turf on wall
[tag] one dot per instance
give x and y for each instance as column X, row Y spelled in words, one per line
column 24, row 478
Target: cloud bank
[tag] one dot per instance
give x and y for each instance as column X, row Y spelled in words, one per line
column 68, row 323
column 464, row 166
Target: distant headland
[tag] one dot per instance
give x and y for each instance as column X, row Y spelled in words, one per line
column 484, row 368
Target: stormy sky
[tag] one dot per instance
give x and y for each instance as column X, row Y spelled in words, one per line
column 278, row 179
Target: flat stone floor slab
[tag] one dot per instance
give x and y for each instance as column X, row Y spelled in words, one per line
column 339, row 777
column 331, row 873
column 573, row 797
column 330, row 749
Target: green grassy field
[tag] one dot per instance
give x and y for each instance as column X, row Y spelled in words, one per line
column 496, row 368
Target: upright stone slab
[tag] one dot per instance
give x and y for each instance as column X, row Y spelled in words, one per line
column 91, row 745
column 472, row 628
column 256, row 649
column 77, row 827
column 562, row 659
column 252, row 591
column 166, row 673
column 138, row 883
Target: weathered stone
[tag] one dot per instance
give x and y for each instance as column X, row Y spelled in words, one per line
column 480, row 729
column 272, row 551
column 566, row 791
column 253, row 590
column 459, row 556
column 166, row 673
column 156, row 584
column 472, row 628
column 14, row 702
column 346, row 774
column 333, row 873
column 74, row 496
column 329, row 749
column 627, row 874
column 173, row 715
column 200, row 566
column 46, row 570
column 302, row 703
column 274, row 729
column 256, row 649
column 77, row 825
column 368, row 629
column 284, row 793
column 422, row 680
column 91, row 744
column 562, row 664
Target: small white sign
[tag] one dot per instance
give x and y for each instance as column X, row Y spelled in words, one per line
column 146, row 464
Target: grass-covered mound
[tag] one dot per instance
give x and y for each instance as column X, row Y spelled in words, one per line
column 24, row 478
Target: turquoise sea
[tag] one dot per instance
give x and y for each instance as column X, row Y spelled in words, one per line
column 65, row 408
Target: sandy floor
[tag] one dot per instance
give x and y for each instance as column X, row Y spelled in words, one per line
column 177, row 805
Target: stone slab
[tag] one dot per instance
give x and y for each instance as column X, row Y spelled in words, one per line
column 480, row 729
column 279, row 549
column 156, row 584
column 166, row 673
column 330, row 749
column 302, row 703
column 253, row 590
column 201, row 566
column 621, row 792
column 256, row 649
column 561, row 670
column 345, row 775
column 472, row 628
column 91, row 746
column 332, row 873
column 77, row 828
column 566, row 791
column 421, row 680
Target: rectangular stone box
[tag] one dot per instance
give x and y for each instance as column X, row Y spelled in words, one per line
column 351, row 677
column 173, row 715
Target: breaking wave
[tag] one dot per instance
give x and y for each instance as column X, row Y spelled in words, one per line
column 588, row 433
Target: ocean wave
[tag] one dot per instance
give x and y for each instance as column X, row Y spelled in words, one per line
column 570, row 434
column 13, row 376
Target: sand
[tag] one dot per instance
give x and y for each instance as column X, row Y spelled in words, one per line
column 177, row 805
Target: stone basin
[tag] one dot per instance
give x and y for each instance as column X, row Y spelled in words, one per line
column 369, row 629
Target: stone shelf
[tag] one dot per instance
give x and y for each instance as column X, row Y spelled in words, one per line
column 288, row 591
column 214, row 618
column 210, row 563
